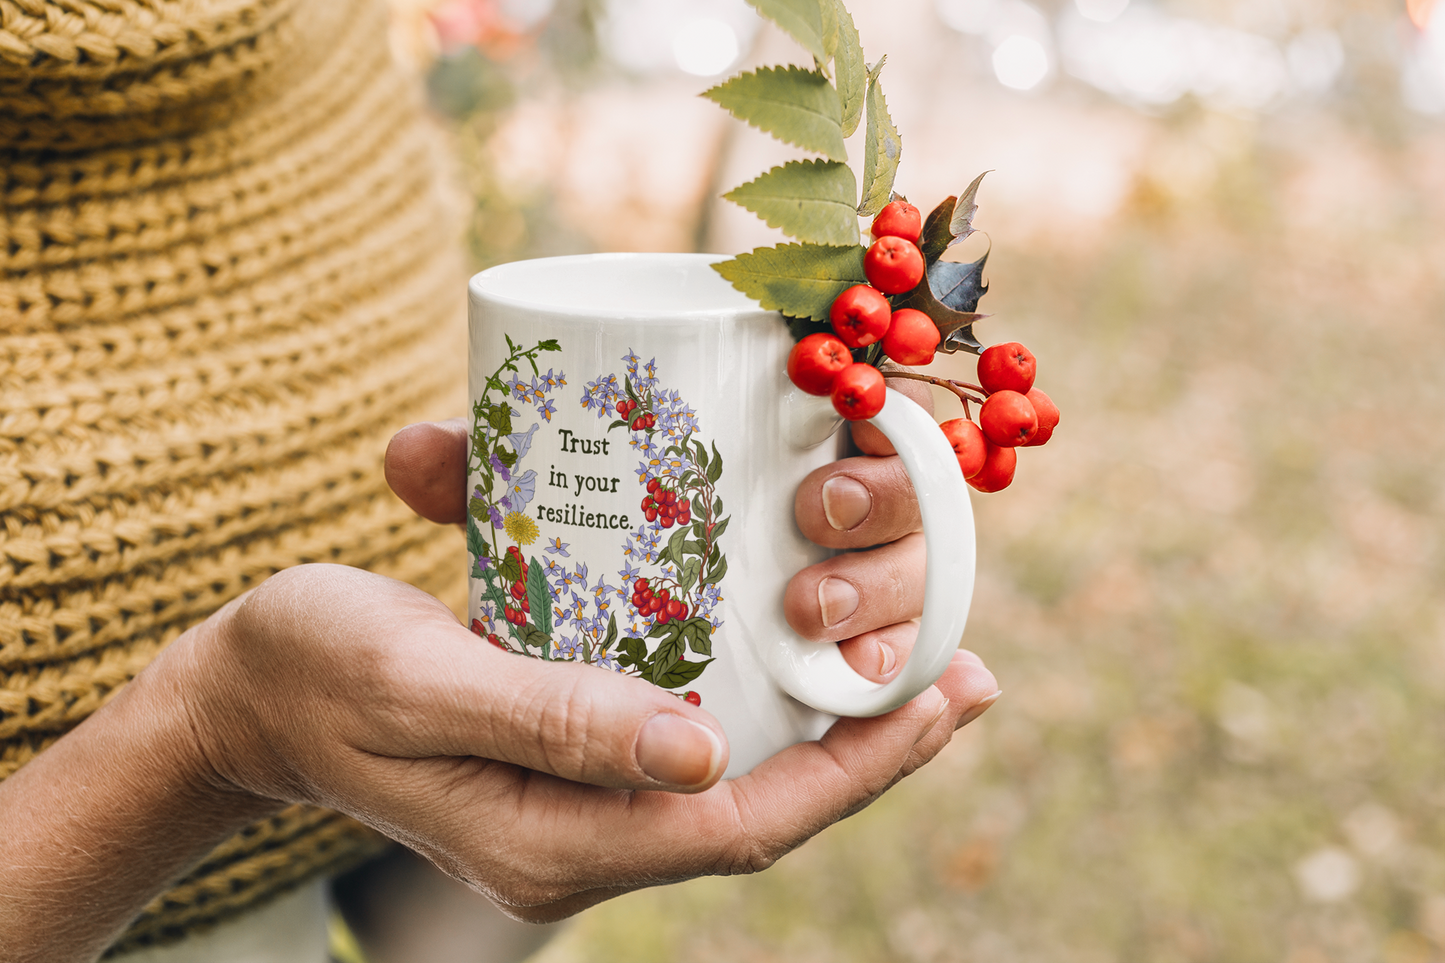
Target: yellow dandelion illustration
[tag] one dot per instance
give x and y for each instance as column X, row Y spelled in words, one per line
column 519, row 528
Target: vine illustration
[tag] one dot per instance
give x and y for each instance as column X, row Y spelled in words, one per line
column 670, row 583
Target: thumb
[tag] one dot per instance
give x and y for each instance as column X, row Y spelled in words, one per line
column 563, row 718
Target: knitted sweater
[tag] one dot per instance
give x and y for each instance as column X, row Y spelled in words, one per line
column 227, row 276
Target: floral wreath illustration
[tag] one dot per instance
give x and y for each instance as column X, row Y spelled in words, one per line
column 669, row 584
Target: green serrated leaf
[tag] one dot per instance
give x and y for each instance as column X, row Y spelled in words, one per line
column 476, row 508
column 549, row 345
column 680, row 674
column 476, row 544
column 849, row 71
column 508, row 458
column 539, row 598
column 797, row 106
column 800, row 19
column 800, row 280
column 509, row 568
column 960, row 225
column 809, row 200
column 882, row 148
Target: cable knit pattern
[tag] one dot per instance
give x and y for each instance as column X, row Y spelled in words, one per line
column 227, row 274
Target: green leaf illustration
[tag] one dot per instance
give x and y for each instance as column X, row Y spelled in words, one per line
column 493, row 592
column 809, row 200
column 697, row 633
column 508, row 458
column 539, row 598
column 720, row 527
column 668, row 651
column 680, row 674
column 476, row 509
column 690, row 572
column 716, row 466
column 797, row 106
column 718, row 570
column 633, row 652
column 510, row 568
column 849, row 70
column 800, row 19
column 500, row 418
column 476, row 544
column 881, row 149
column 533, row 637
column 674, row 545
column 800, row 280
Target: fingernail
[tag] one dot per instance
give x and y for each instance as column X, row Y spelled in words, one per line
column 888, row 660
column 678, row 751
column 837, row 600
column 978, row 709
column 846, row 502
column 938, row 713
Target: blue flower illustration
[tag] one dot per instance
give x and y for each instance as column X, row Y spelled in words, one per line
column 522, row 442
column 521, row 492
column 556, row 547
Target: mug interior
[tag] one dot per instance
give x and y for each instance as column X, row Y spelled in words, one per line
column 620, row 285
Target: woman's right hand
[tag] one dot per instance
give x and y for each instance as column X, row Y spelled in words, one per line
column 535, row 782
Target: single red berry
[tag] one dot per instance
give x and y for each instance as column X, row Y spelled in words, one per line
column 663, row 618
column 815, row 361
column 912, row 337
column 496, row 641
column 998, row 469
column 968, row 444
column 692, row 697
column 893, row 265
column 478, row 627
column 899, row 219
column 637, row 423
column 622, row 409
column 858, row 392
column 647, row 503
column 668, row 521
column 859, row 315
column 1007, row 367
column 1008, row 419
column 651, row 420
column 1048, row 413
column 650, row 514
column 684, row 518
column 676, row 609
column 639, row 585
column 653, row 485
column 665, row 595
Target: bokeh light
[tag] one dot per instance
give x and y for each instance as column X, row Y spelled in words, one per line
column 705, row 48
column 1020, row 62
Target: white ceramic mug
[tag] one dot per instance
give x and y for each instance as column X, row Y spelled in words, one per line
column 559, row 533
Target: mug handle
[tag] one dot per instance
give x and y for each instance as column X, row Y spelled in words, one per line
column 815, row 673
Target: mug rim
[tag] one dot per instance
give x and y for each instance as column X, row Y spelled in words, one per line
column 483, row 287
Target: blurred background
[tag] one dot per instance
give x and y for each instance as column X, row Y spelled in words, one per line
column 1214, row 601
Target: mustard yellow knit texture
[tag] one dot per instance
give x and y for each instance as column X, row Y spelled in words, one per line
column 228, row 273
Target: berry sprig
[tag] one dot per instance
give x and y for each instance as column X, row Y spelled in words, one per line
column 896, row 299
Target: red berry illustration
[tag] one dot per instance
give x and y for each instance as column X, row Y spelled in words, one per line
column 858, row 392
column 860, row 315
column 653, row 485
column 815, row 361
column 692, row 697
column 893, row 265
column 899, row 219
column 676, row 609
column 998, row 469
column 968, row 444
column 1048, row 413
column 519, row 590
column 640, row 585
column 1007, row 367
column 912, row 337
column 1008, row 419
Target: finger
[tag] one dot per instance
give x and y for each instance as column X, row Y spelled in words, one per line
column 870, row 440
column 858, row 592
column 468, row 698
column 879, row 655
column 562, row 841
column 857, row 502
column 426, row 465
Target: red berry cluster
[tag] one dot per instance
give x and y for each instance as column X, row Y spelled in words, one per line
column 518, row 591
column 662, row 504
column 491, row 637
column 1014, row 415
column 822, row 364
column 642, row 421
column 660, row 605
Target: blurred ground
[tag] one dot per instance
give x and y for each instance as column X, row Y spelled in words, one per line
column 1214, row 601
